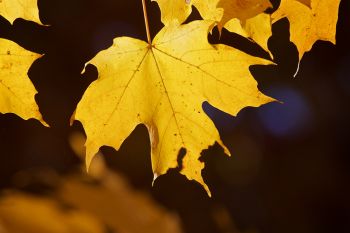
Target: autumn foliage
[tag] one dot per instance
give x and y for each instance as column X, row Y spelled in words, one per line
column 163, row 82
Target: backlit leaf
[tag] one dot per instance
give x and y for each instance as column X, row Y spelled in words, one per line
column 242, row 17
column 307, row 25
column 16, row 90
column 257, row 28
column 26, row 9
column 163, row 86
column 175, row 11
column 242, row 9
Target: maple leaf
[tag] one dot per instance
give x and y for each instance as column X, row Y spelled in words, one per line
column 242, row 9
column 16, row 90
column 26, row 9
column 177, row 11
column 208, row 9
column 307, row 25
column 257, row 28
column 163, row 86
column 241, row 17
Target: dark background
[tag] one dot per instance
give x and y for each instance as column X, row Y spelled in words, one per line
column 290, row 166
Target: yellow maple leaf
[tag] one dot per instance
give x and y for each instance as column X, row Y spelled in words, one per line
column 257, row 28
column 177, row 11
column 241, row 17
column 242, row 9
column 208, row 9
column 307, row 25
column 26, row 9
column 163, row 86
column 16, row 90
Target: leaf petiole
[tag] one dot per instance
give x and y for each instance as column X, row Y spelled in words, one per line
column 146, row 22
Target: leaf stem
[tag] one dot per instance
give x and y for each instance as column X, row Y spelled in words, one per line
column 146, row 22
